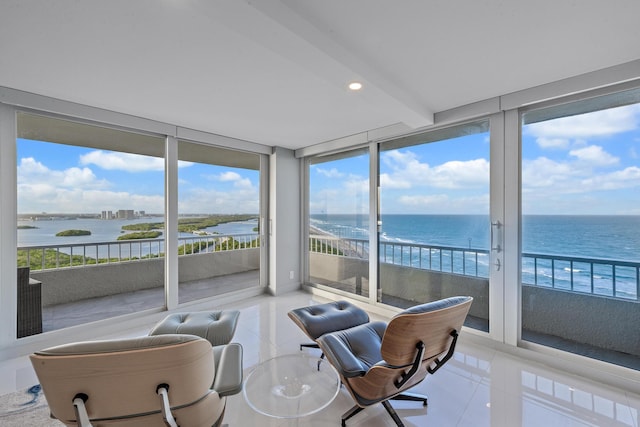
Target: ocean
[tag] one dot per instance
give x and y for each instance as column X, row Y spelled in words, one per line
column 614, row 237
column 601, row 237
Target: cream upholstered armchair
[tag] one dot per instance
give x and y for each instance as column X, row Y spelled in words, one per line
column 379, row 361
column 148, row 381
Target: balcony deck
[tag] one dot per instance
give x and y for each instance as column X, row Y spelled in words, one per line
column 90, row 310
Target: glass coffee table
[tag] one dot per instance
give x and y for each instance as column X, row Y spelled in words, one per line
column 291, row 386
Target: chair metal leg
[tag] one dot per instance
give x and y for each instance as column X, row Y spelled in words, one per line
column 309, row 345
column 392, row 412
column 350, row 413
column 313, row 345
column 413, row 397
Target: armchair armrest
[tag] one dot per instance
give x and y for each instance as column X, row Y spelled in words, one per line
column 353, row 351
column 228, row 362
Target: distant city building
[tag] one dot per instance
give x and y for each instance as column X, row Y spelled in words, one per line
column 106, row 215
column 141, row 213
column 125, row 214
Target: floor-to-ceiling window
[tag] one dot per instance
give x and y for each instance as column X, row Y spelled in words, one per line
column 218, row 225
column 580, row 220
column 90, row 208
column 434, row 231
column 432, row 226
column 338, row 255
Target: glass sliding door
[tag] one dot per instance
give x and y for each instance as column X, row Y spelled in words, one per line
column 434, row 228
column 219, row 211
column 580, row 255
column 90, row 214
column 338, row 255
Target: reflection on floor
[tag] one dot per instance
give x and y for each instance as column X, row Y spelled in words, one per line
column 478, row 387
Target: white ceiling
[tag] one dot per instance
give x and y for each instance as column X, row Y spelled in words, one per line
column 275, row 72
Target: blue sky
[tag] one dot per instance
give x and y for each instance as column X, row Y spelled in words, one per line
column 585, row 164
column 68, row 179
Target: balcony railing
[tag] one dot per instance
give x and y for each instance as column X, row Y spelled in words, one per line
column 85, row 254
column 597, row 276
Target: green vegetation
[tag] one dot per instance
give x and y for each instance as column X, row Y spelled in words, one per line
column 226, row 245
column 140, row 235
column 26, row 227
column 190, row 225
column 55, row 259
column 51, row 258
column 74, row 233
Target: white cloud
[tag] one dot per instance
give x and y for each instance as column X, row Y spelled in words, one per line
column 331, row 173
column 243, row 183
column 32, row 171
column 442, row 204
column 44, row 197
column 553, row 143
column 123, row 161
column 229, row 176
column 423, row 201
column 356, row 185
column 407, row 172
column 391, row 182
column 211, row 200
column 596, row 124
column 461, row 174
column 74, row 190
column 544, row 172
column 29, row 165
column 626, row 178
column 594, row 155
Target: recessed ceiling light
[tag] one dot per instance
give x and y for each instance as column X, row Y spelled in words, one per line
column 355, row 86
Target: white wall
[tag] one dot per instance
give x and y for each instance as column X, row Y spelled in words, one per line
column 284, row 226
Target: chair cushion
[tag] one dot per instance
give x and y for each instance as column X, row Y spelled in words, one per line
column 115, row 346
column 436, row 305
column 217, row 327
column 317, row 320
column 353, row 351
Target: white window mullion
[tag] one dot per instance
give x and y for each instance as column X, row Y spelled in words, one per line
column 497, row 202
column 171, row 223
column 512, row 290
column 8, row 220
column 374, row 213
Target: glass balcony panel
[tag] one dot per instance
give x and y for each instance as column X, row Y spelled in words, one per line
column 580, row 227
column 338, row 256
column 218, row 224
column 83, row 193
column 434, row 215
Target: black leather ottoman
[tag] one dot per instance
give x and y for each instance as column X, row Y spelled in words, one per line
column 317, row 320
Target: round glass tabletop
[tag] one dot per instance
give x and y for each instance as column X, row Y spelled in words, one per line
column 291, row 386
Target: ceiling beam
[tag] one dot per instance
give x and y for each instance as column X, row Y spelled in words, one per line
column 347, row 65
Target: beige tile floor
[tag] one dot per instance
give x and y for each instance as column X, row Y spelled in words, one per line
column 478, row 387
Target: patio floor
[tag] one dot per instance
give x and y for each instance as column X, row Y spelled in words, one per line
column 80, row 312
